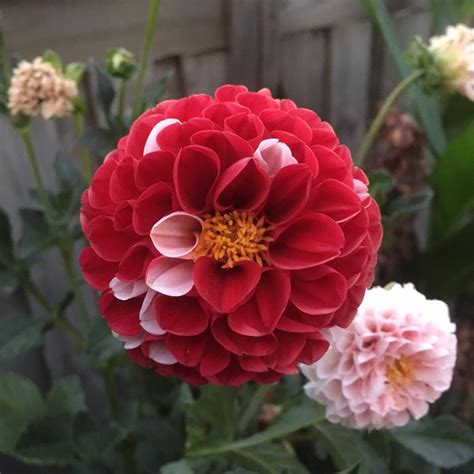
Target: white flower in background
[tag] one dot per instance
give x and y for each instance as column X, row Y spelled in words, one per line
column 395, row 358
column 37, row 89
column 454, row 52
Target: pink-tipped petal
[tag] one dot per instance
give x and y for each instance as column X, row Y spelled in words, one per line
column 151, row 143
column 170, row 276
column 161, row 354
column 147, row 315
column 130, row 342
column 176, row 235
column 125, row 290
column 272, row 155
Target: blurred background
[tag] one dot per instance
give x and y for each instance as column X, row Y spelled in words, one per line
column 324, row 54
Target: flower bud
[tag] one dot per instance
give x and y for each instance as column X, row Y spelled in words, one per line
column 120, row 63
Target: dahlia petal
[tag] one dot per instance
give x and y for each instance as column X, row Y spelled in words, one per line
column 181, row 316
column 160, row 353
column 139, row 133
column 135, row 261
column 331, row 165
column 214, row 360
column 151, row 143
column 154, row 168
column 170, row 276
column 275, row 119
column 289, row 193
column 219, row 111
column 225, row 289
column 188, row 350
column 121, row 316
column 147, row 315
column 244, row 186
column 228, row 92
column 336, row 200
column 256, row 102
column 272, row 155
column 310, row 240
column 96, row 271
column 130, row 342
column 318, row 290
column 177, row 136
column 123, row 216
column 124, row 290
column 188, row 107
column 98, row 194
column 195, row 172
column 177, row 234
column 247, row 126
column 261, row 313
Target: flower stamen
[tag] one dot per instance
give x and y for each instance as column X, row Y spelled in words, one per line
column 400, row 372
column 234, row 236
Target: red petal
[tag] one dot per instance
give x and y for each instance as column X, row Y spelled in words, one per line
column 106, row 241
column 153, row 204
column 215, row 359
column 155, row 167
column 289, row 346
column 98, row 194
column 253, row 364
column 316, row 346
column 123, row 216
column 121, row 316
column 345, row 314
column 225, row 289
column 136, row 260
column 352, row 265
column 195, row 172
column 232, row 375
column 182, row 316
column 122, row 181
column 239, row 344
column 96, row 271
column 244, row 185
column 219, row 111
column 295, row 320
column 247, row 126
column 261, row 313
column 188, row 107
column 256, row 102
column 324, row 135
column 228, row 92
column 310, row 117
column 275, row 119
column 318, row 290
column 176, row 136
column 308, row 241
column 228, row 146
column 139, row 132
column 355, row 231
column 336, row 200
column 289, row 193
column 331, row 165
column 188, row 350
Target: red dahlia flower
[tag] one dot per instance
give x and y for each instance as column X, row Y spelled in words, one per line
column 225, row 233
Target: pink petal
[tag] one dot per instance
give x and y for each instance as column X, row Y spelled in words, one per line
column 151, row 143
column 161, row 354
column 125, row 290
column 130, row 342
column 147, row 315
column 272, row 155
column 170, row 276
column 176, row 235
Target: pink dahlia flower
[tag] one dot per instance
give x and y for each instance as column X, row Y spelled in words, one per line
column 395, row 358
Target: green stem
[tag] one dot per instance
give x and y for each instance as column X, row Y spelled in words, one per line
column 78, row 120
column 371, row 134
column 149, row 32
column 258, row 438
column 5, row 62
column 43, row 195
column 252, row 407
column 121, row 99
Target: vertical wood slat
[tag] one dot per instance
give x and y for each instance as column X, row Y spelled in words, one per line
column 303, row 70
column 204, row 73
column 350, row 70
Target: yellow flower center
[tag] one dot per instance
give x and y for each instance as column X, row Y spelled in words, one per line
column 400, row 372
column 234, row 236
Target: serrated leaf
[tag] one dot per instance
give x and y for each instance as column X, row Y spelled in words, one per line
column 36, row 235
column 444, row 441
column 66, row 397
column 20, row 334
column 270, row 459
column 177, row 467
column 20, row 403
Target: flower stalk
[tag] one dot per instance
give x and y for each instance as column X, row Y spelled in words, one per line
column 149, row 32
column 78, row 120
column 374, row 129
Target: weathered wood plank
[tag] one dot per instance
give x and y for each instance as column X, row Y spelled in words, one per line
column 204, row 73
column 350, row 69
column 184, row 26
column 304, row 70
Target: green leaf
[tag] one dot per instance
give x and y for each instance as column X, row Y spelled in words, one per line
column 405, row 206
column 177, row 467
column 47, row 442
column 20, row 334
column 270, row 459
column 66, row 397
column 8, row 281
column 452, row 180
column 52, row 58
column 381, row 183
column 240, row 470
column 458, row 115
column 20, row 403
column 209, row 419
column 156, row 93
column 426, row 108
column 444, row 441
column 36, row 235
column 101, row 345
column 75, row 72
column 450, row 12
column 6, row 242
column 105, row 90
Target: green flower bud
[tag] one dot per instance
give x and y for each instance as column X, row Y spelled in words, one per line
column 120, row 63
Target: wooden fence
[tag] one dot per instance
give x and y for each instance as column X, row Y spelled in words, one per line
column 324, row 54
